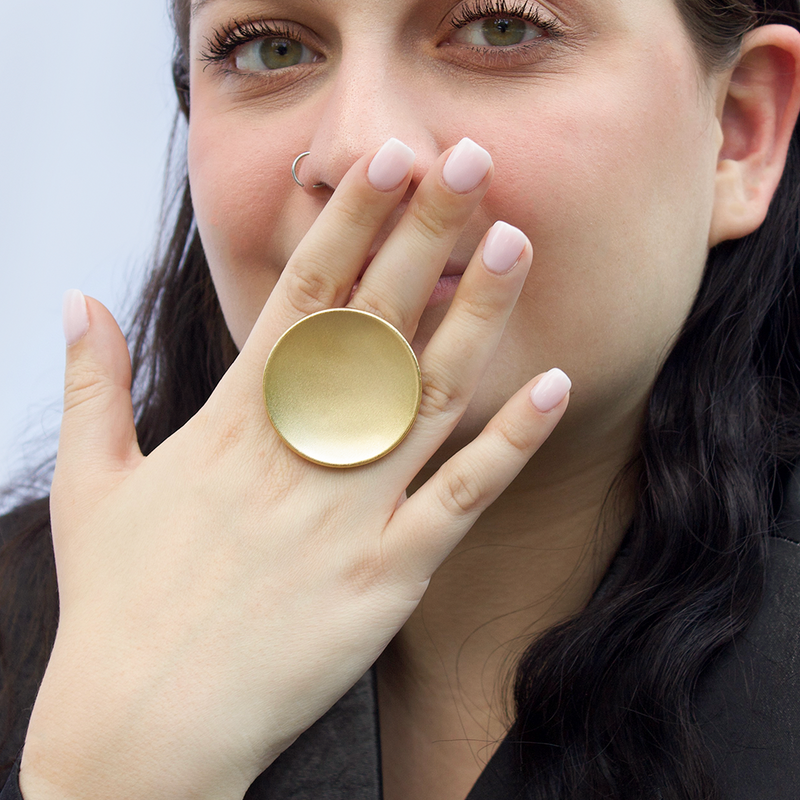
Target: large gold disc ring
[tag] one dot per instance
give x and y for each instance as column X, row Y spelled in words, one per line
column 342, row 387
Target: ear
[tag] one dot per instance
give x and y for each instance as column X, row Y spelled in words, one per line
column 757, row 110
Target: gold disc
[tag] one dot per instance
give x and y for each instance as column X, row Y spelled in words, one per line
column 342, row 387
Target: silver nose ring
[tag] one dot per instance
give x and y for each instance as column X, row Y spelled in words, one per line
column 294, row 171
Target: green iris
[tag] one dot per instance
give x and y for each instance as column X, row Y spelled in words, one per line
column 278, row 53
column 504, row 31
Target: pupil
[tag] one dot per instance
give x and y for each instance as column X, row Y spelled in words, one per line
column 277, row 53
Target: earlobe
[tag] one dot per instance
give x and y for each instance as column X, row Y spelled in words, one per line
column 757, row 114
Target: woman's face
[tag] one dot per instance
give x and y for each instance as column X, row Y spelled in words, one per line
column 604, row 138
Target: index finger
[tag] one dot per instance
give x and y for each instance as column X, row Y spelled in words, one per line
column 322, row 270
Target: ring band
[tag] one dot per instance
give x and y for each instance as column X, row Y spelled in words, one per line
column 294, row 171
column 342, row 387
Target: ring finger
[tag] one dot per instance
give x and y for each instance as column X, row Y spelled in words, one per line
column 461, row 348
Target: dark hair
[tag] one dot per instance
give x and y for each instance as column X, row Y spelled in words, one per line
column 605, row 700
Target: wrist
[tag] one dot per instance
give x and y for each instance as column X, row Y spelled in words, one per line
column 84, row 743
column 70, row 772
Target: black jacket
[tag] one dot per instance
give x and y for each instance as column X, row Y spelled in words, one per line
column 749, row 704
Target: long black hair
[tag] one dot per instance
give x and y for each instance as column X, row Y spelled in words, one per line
column 605, row 701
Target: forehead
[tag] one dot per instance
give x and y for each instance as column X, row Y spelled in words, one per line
column 583, row 14
column 196, row 6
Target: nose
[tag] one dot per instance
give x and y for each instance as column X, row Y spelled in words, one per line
column 364, row 104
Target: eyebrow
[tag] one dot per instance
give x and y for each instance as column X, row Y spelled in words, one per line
column 196, row 6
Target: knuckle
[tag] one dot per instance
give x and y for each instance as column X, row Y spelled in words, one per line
column 368, row 568
column 511, row 433
column 480, row 309
column 218, row 428
column 436, row 398
column 461, row 491
column 357, row 215
column 367, row 300
column 83, row 387
column 392, row 311
column 308, row 289
column 278, row 475
column 230, row 432
column 233, row 439
column 429, row 221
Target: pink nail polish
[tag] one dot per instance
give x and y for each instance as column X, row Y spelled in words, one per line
column 503, row 247
column 551, row 390
column 466, row 166
column 390, row 165
column 75, row 317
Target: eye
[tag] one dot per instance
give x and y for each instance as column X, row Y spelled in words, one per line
column 497, row 32
column 271, row 53
column 494, row 25
column 256, row 46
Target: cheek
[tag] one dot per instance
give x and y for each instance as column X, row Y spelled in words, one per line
column 615, row 193
column 241, row 185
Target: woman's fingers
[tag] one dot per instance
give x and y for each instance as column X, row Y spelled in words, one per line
column 322, row 270
column 97, row 430
column 400, row 278
column 433, row 520
column 403, row 274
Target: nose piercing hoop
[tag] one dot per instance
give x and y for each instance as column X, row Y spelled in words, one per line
column 294, row 171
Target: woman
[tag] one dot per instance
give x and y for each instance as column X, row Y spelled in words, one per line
column 513, row 186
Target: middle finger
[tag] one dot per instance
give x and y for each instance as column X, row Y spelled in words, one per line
column 404, row 272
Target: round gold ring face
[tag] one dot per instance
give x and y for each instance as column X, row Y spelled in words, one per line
column 342, row 387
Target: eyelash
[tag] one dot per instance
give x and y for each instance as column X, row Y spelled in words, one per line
column 221, row 46
column 225, row 41
column 488, row 9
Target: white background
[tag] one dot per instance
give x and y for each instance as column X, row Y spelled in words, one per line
column 86, row 106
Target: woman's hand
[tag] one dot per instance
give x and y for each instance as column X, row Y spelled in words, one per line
column 219, row 595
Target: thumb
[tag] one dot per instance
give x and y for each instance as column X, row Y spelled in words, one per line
column 97, row 430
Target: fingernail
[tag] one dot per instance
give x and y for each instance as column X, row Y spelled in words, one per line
column 390, row 165
column 74, row 316
column 550, row 390
column 466, row 166
column 504, row 246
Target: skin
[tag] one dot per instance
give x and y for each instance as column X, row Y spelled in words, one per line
column 572, row 130
column 250, row 588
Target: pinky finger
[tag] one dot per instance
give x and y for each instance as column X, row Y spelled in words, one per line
column 438, row 515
